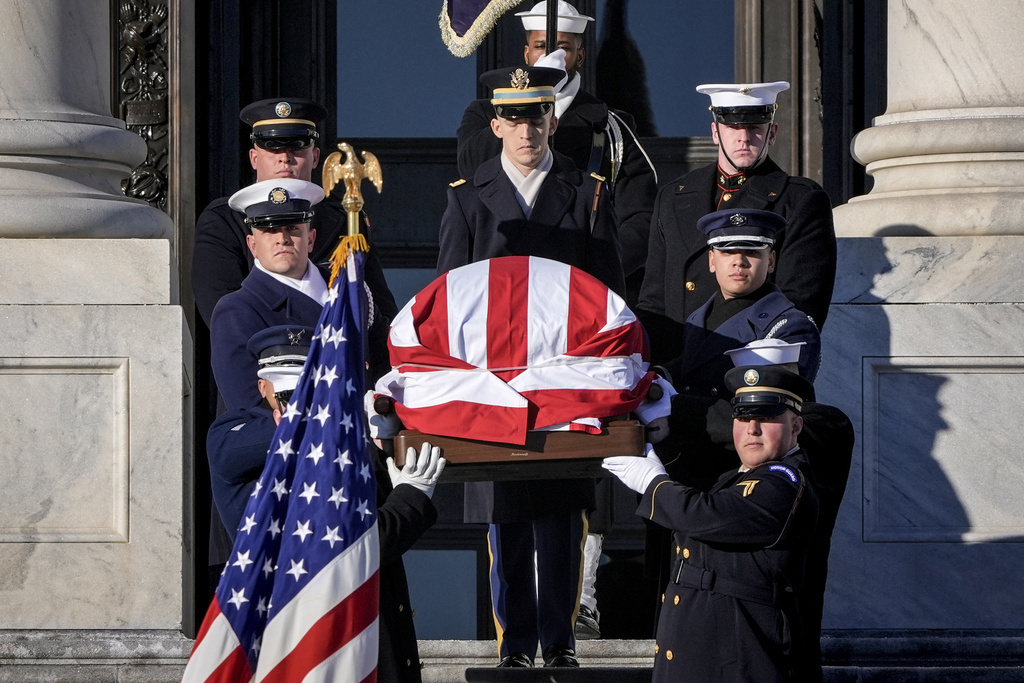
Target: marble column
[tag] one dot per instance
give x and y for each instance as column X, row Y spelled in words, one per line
column 95, row 364
column 947, row 157
column 923, row 343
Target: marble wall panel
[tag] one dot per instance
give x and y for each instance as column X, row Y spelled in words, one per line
column 929, row 534
column 94, row 435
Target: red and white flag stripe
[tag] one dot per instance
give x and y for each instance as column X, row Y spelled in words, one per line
column 499, row 347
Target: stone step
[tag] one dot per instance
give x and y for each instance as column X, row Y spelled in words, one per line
column 585, row 674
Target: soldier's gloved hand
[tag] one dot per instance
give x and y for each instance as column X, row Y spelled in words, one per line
column 636, row 473
column 651, row 409
column 420, row 470
column 381, row 426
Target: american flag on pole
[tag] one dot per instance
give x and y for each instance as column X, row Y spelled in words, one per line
column 496, row 348
column 298, row 600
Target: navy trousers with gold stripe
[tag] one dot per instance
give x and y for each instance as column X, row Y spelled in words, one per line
column 536, row 601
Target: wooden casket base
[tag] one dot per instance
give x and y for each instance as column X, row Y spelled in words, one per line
column 546, row 455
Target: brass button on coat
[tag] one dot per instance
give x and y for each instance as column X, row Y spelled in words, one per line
column 690, row 286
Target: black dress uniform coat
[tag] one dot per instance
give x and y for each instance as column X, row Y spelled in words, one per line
column 677, row 280
column 700, row 369
column 632, row 192
column 264, row 302
column 237, row 449
column 221, row 259
column 484, row 220
column 729, row 612
column 700, row 435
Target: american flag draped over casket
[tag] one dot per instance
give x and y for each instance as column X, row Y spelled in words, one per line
column 494, row 349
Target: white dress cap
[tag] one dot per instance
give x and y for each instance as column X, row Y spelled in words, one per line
column 283, row 377
column 264, row 191
column 569, row 20
column 743, row 94
column 766, row 352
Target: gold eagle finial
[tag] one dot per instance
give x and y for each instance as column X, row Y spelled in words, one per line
column 348, row 168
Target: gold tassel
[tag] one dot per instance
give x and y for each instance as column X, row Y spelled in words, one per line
column 346, row 245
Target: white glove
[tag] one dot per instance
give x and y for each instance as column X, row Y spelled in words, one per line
column 421, row 472
column 381, row 426
column 636, row 473
column 649, row 410
column 554, row 60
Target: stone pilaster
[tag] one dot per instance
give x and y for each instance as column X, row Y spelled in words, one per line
column 95, row 359
column 922, row 346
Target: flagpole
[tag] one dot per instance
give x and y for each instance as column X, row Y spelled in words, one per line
column 551, row 36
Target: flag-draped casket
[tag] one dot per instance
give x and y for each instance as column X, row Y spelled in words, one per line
column 500, row 347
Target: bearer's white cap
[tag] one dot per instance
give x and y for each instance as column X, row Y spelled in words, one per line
column 766, row 352
column 735, row 103
column 569, row 19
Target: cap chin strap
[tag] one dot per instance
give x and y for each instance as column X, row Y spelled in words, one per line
column 761, row 155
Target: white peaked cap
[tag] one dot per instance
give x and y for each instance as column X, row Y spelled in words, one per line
column 569, row 20
column 283, row 377
column 742, row 94
column 766, row 352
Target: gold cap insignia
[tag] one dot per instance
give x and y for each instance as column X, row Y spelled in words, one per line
column 751, row 377
column 738, row 219
column 283, row 109
column 520, row 79
column 278, row 195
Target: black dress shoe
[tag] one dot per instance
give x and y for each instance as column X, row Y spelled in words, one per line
column 560, row 656
column 516, row 660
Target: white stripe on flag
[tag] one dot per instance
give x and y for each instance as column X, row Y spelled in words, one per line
column 423, row 389
column 358, row 657
column 218, row 643
column 335, row 582
column 573, row 372
column 617, row 313
column 549, row 301
column 467, row 312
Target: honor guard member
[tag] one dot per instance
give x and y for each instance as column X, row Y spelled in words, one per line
column 597, row 139
column 699, row 431
column 284, row 145
column 676, row 282
column 739, row 550
column 530, row 201
column 237, row 448
column 745, row 305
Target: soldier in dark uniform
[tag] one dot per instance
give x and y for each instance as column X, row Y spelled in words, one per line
column 284, row 287
column 237, row 448
column 699, row 431
column 284, row 138
column 530, row 201
column 676, row 282
column 730, row 610
column 597, row 139
column 745, row 305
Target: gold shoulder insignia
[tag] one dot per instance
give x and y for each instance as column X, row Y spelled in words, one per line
column 748, row 486
column 457, row 183
column 599, row 178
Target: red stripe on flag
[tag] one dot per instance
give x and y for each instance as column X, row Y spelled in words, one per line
column 588, row 308
column 330, row 633
column 431, row 307
column 464, row 420
column 234, row 669
column 211, row 615
column 508, row 289
column 555, row 406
